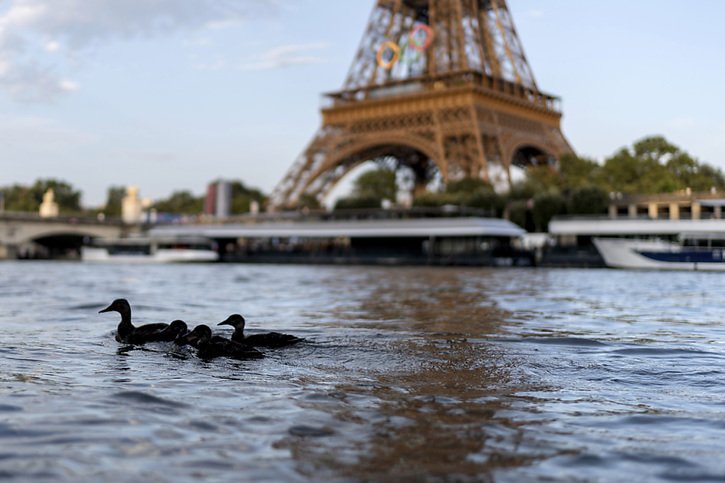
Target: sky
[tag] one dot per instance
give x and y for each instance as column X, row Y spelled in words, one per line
column 172, row 94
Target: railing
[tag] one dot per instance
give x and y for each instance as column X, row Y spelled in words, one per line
column 362, row 214
column 69, row 219
column 682, row 216
column 453, row 80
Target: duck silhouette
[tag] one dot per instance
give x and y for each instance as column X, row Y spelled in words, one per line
column 270, row 340
column 212, row 346
column 176, row 329
column 127, row 333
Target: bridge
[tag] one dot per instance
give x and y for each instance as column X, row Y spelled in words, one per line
column 27, row 235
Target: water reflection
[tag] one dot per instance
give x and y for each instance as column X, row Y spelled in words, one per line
column 442, row 414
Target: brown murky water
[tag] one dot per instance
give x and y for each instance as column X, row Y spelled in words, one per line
column 408, row 374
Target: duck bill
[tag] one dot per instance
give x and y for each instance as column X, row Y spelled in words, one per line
column 226, row 322
column 107, row 309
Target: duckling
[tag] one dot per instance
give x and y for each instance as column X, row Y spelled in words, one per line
column 127, row 333
column 270, row 340
column 176, row 329
column 210, row 347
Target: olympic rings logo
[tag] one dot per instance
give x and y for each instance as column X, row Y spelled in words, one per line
column 419, row 40
column 388, row 55
column 421, row 37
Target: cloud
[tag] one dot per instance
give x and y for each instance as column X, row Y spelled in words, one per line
column 52, row 46
column 32, row 30
column 285, row 56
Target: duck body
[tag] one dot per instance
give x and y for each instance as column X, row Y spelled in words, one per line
column 126, row 332
column 170, row 333
column 270, row 340
column 211, row 347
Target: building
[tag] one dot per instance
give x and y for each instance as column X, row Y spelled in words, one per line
column 682, row 205
column 218, row 201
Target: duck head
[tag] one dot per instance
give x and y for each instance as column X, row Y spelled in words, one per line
column 119, row 305
column 235, row 320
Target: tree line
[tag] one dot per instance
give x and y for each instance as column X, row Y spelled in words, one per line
column 575, row 186
column 27, row 199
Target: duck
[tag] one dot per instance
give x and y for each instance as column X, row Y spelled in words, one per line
column 271, row 340
column 212, row 346
column 175, row 330
column 127, row 333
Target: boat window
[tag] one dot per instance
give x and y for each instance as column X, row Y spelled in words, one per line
column 129, row 250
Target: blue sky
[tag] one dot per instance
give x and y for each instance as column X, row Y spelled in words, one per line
column 171, row 94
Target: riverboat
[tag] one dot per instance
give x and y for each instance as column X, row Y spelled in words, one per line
column 692, row 252
column 575, row 237
column 151, row 250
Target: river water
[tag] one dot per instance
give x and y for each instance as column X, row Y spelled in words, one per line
column 408, row 374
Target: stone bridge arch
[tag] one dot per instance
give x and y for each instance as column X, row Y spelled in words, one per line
column 20, row 235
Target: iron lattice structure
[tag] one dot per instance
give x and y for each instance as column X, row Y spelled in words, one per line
column 441, row 87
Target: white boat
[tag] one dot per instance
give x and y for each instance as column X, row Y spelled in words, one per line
column 693, row 252
column 151, row 250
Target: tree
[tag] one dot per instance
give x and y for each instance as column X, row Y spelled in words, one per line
column 68, row 198
column 468, row 186
column 577, row 172
column 519, row 213
column 435, row 200
column 588, row 200
column 28, row 198
column 637, row 171
column 378, row 184
column 357, row 203
column 181, row 203
column 487, row 200
column 547, row 206
column 654, row 165
column 20, row 198
column 243, row 196
column 309, row 202
column 114, row 200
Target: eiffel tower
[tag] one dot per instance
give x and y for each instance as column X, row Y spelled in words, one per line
column 440, row 88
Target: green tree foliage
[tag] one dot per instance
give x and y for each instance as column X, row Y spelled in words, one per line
column 379, row 184
column 181, row 203
column 539, row 179
column 468, row 192
column 358, row 203
column 436, row 200
column 242, row 197
column 547, row 206
column 369, row 190
column 28, row 198
column 309, row 201
column 588, row 200
column 114, row 200
column 467, row 186
column 627, row 173
column 518, row 213
column 487, row 200
column 20, row 198
column 580, row 186
column 654, row 165
column 577, row 172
